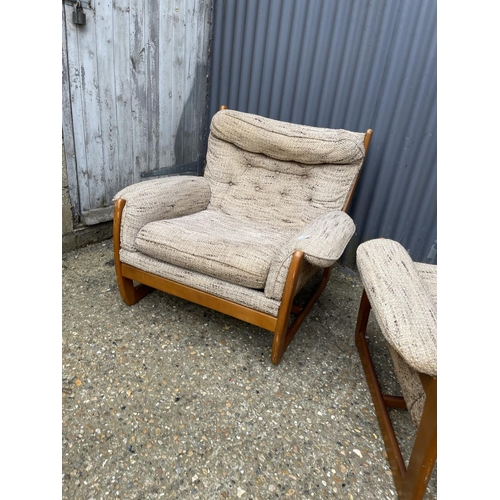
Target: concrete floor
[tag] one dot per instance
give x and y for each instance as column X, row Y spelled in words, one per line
column 167, row 399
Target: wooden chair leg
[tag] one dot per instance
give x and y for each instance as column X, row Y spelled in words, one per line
column 286, row 307
column 283, row 334
column 304, row 311
column 396, row 460
column 424, row 453
column 130, row 293
column 411, row 483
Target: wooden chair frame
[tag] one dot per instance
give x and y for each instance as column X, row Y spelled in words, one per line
column 283, row 333
column 148, row 282
column 411, row 483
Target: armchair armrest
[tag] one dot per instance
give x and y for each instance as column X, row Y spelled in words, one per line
column 159, row 199
column 323, row 241
column 403, row 304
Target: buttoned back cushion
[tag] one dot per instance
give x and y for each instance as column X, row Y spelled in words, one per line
column 288, row 141
column 264, row 189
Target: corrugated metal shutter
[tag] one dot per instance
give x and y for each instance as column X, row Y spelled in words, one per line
column 349, row 64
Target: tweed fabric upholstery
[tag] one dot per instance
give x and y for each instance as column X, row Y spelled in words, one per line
column 213, row 243
column 323, row 240
column 411, row 386
column 265, row 183
column 405, row 310
column 428, row 275
column 408, row 379
column 254, row 299
column 276, row 172
column 287, row 141
column 159, row 199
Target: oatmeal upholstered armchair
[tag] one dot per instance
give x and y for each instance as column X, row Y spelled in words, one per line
column 403, row 296
column 268, row 214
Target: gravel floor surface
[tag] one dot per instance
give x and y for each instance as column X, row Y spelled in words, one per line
column 167, row 399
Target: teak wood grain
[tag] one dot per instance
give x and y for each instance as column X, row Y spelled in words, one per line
column 411, row 483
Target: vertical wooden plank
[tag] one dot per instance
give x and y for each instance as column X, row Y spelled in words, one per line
column 166, row 151
column 153, row 89
column 122, row 76
column 138, row 83
column 188, row 82
column 204, row 40
column 178, row 75
column 67, row 124
column 200, row 103
column 135, row 84
column 106, row 96
column 76, row 75
column 92, row 111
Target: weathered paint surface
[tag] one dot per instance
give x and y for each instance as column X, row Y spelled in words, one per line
column 134, row 94
column 350, row 64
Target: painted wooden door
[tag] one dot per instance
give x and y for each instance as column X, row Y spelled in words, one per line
column 135, row 89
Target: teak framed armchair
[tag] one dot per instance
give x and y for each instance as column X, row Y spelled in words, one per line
column 403, row 297
column 268, row 214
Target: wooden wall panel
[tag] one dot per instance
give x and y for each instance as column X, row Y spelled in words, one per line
column 134, row 94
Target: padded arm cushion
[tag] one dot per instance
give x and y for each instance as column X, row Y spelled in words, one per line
column 323, row 241
column 288, row 141
column 159, row 199
column 401, row 302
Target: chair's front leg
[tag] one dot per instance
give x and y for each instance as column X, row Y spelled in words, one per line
column 424, row 453
column 286, row 307
column 130, row 293
column 392, row 447
column 284, row 335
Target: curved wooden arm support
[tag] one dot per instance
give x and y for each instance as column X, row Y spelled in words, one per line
column 282, row 335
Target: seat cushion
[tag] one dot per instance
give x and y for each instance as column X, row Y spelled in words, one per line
column 233, row 249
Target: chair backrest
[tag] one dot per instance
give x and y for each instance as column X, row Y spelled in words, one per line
column 279, row 173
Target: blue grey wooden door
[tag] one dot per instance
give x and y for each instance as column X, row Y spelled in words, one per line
column 134, row 95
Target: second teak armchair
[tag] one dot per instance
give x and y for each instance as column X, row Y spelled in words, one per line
column 244, row 238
